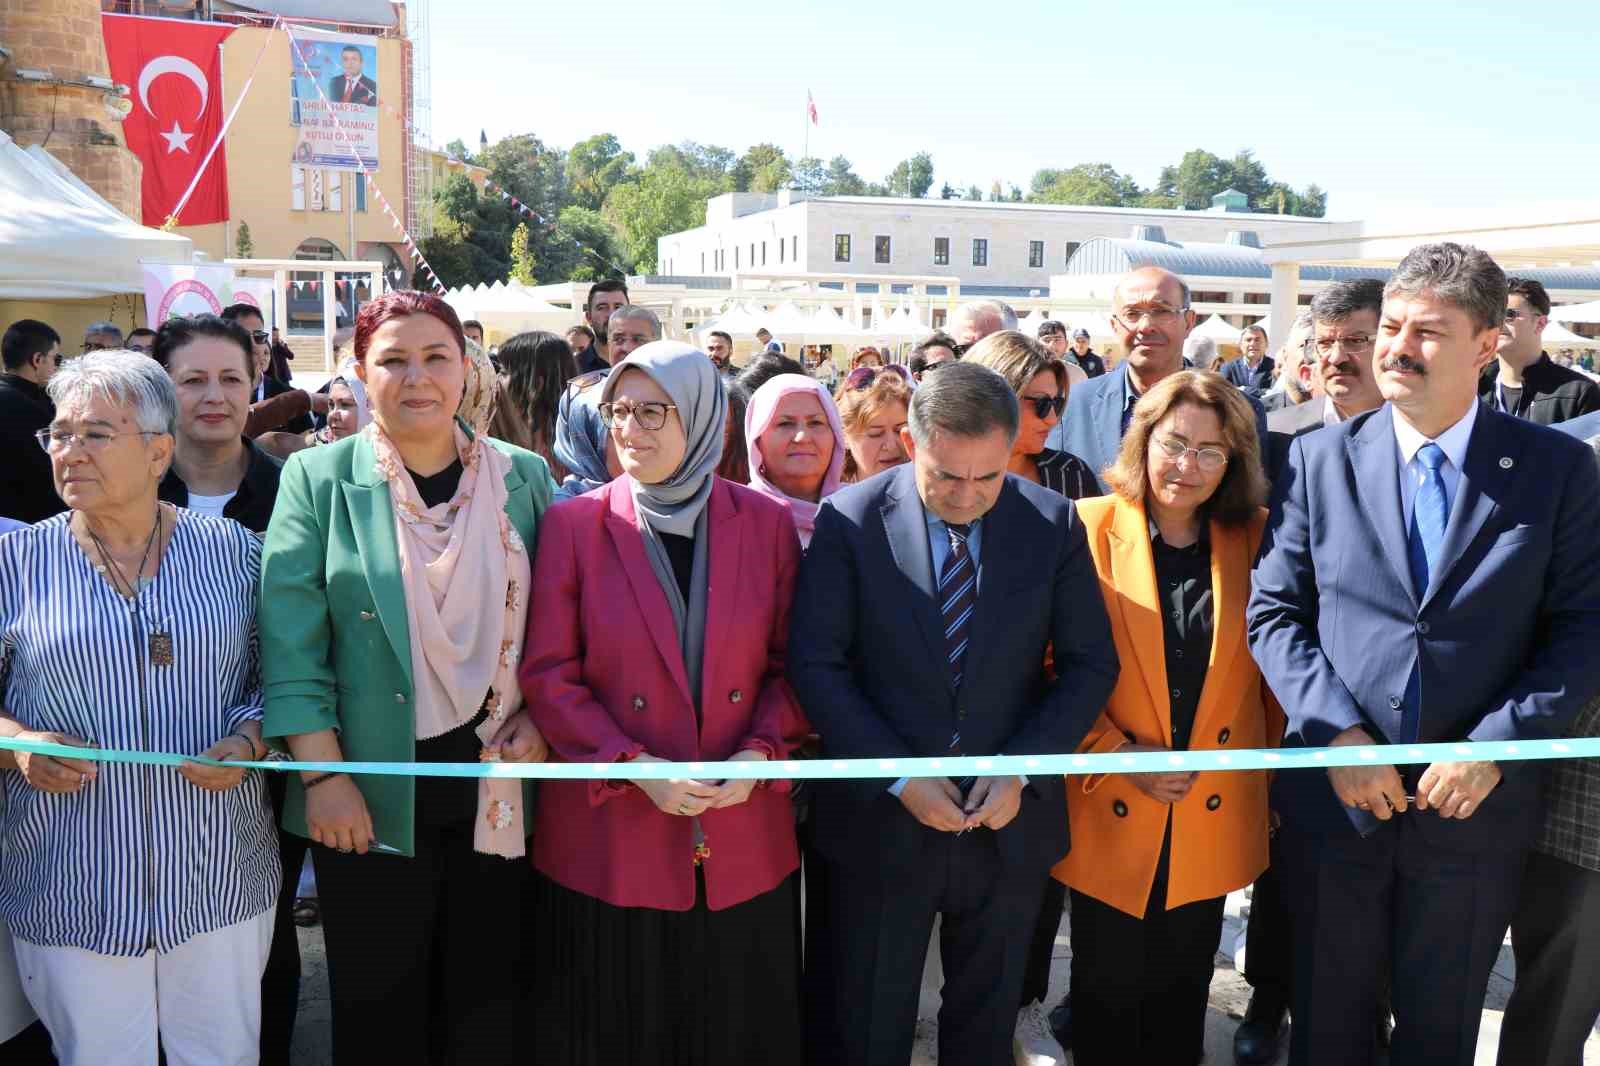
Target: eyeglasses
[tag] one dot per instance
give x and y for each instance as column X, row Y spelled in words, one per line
column 93, row 442
column 650, row 414
column 862, row 377
column 1356, row 343
column 1210, row 459
column 960, row 350
column 259, row 336
column 1156, row 316
column 97, row 346
column 1043, row 405
column 1514, row 313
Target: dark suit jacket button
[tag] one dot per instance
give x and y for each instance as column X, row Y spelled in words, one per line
column 1422, row 627
column 1394, row 703
column 1213, row 802
column 1222, row 737
column 1119, row 809
column 735, row 696
column 638, row 703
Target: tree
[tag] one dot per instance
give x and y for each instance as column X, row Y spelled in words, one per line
column 810, row 175
column 243, row 246
column 1199, row 176
column 1090, row 184
column 521, row 259
column 973, row 193
column 764, row 168
column 946, row 192
column 585, row 248
column 662, row 200
column 456, row 150
column 840, row 180
column 594, row 167
column 911, row 177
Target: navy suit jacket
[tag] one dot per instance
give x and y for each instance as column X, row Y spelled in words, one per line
column 1505, row 633
column 1091, row 428
column 867, row 659
column 1238, row 372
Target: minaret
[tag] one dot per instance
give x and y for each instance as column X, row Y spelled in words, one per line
column 80, row 125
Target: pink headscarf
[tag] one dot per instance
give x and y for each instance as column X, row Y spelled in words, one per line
column 758, row 419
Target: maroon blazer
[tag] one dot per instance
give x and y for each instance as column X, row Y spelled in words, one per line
column 604, row 680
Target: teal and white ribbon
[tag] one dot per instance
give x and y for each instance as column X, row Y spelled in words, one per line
column 1144, row 762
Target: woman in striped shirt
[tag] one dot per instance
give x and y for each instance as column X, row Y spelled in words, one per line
column 140, row 896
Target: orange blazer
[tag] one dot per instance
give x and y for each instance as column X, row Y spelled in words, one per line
column 1219, row 830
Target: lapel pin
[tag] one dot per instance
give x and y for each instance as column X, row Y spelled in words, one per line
column 1506, row 462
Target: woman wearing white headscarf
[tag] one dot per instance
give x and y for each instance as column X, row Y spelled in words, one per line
column 657, row 631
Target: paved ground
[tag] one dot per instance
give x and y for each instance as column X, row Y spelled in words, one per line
column 1229, row 994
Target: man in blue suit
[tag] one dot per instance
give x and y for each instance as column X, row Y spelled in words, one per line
column 922, row 616
column 1253, row 370
column 1430, row 574
column 1151, row 316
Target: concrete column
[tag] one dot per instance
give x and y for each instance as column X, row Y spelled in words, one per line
column 330, row 318
column 1285, row 303
column 280, row 300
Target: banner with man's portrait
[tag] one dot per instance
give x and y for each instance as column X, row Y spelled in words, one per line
column 334, row 101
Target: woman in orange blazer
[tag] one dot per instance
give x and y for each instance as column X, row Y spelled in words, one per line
column 1154, row 855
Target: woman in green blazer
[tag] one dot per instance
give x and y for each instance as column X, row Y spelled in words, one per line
column 393, row 606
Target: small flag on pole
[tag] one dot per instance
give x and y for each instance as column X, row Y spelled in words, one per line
column 811, row 108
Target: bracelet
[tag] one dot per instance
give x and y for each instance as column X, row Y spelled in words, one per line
column 320, row 778
column 253, row 756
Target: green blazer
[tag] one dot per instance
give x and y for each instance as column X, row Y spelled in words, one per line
column 335, row 643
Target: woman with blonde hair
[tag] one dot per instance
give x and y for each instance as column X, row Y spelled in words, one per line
column 1041, row 383
column 872, row 410
column 1155, row 854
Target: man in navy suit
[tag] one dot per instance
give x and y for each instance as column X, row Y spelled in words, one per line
column 352, row 87
column 1430, row 574
column 1151, row 316
column 926, row 604
column 1253, row 370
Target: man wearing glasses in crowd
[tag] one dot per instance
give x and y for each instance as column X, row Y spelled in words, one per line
column 31, row 352
column 1152, row 318
column 98, row 336
column 932, row 352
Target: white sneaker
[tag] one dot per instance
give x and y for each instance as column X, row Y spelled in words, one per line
column 1033, row 1044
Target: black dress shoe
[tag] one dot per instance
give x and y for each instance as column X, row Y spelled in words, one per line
column 1385, row 1030
column 1061, row 1021
column 1259, row 1037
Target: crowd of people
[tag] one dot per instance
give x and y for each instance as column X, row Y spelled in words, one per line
column 616, row 549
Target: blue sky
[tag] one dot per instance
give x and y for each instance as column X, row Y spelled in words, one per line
column 1389, row 106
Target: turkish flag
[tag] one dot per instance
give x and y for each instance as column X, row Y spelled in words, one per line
column 174, row 71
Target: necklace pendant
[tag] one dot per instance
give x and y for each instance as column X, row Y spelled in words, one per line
column 161, row 649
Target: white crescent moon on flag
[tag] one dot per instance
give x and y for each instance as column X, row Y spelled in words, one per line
column 171, row 65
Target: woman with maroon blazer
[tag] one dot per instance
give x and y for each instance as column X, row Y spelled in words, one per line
column 664, row 910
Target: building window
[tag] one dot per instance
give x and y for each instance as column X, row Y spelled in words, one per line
column 752, row 253
column 841, row 247
column 763, row 253
column 938, row 318
column 1072, row 246
column 880, row 249
column 1209, row 296
column 361, row 193
column 941, row 251
column 794, row 251
column 314, row 180
column 1036, row 254
column 702, row 262
column 297, row 188
column 1257, row 298
column 781, row 243
column 980, row 252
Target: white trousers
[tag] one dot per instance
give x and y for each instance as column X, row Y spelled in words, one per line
column 201, row 1001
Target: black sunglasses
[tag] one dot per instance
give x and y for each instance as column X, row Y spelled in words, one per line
column 259, row 336
column 1043, row 405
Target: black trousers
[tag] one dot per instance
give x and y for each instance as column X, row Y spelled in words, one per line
column 1269, row 935
column 1140, row 985
column 878, row 930
column 426, row 955
column 1042, row 948
column 1553, row 935
column 280, row 981
column 1403, row 900
column 31, row 1047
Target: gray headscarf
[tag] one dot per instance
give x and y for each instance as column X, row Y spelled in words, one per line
column 689, row 378
column 580, row 442
column 677, row 505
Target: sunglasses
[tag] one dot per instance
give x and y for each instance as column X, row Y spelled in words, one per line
column 1043, row 405
column 862, row 377
column 259, row 336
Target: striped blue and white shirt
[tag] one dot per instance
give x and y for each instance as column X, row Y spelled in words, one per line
column 140, row 858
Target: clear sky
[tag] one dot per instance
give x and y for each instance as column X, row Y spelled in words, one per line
column 1389, row 106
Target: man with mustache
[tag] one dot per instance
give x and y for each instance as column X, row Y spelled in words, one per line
column 1523, row 380
column 1429, row 575
column 1151, row 316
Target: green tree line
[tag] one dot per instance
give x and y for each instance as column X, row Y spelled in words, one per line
column 603, row 208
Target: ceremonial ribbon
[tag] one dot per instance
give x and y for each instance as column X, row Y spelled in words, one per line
column 1148, row 762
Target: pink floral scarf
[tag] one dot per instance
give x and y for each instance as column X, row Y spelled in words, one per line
column 455, row 559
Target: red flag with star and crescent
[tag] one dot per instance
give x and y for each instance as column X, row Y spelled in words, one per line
column 173, row 71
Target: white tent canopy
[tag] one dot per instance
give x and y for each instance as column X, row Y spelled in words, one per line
column 508, row 309
column 1587, row 312
column 1218, row 329
column 1557, row 336
column 63, row 241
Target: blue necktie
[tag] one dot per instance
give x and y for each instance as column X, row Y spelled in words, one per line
column 1429, row 515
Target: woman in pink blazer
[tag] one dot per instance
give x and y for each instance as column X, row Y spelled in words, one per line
column 657, row 629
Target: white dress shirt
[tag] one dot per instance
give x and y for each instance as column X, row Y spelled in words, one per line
column 1453, row 442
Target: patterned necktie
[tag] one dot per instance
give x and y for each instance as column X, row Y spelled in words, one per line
column 958, row 594
column 1429, row 514
column 349, row 91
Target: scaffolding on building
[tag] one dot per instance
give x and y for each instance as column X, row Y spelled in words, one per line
column 419, row 120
